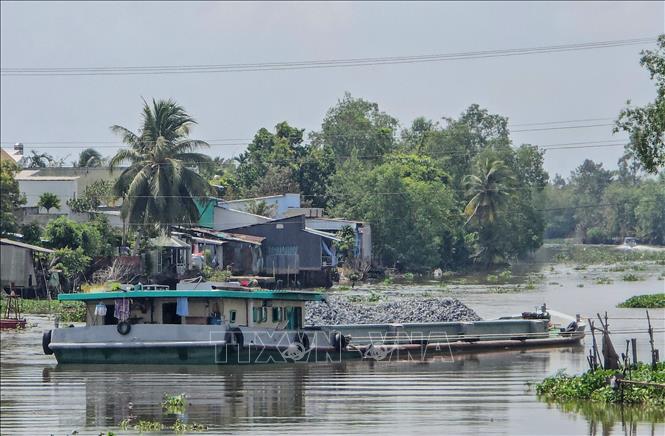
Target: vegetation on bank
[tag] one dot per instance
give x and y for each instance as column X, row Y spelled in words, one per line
column 589, row 255
column 451, row 194
column 66, row 311
column 650, row 301
column 594, row 386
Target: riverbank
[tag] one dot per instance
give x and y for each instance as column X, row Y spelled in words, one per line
column 66, row 311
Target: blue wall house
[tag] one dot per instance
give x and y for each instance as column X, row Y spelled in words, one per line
column 293, row 253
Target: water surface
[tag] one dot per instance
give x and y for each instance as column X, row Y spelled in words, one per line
column 490, row 393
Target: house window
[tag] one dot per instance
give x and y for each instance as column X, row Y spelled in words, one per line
column 232, row 316
column 277, row 314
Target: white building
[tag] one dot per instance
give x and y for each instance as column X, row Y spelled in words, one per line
column 65, row 183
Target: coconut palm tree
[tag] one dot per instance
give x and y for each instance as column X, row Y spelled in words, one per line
column 37, row 160
column 488, row 189
column 161, row 185
column 90, row 158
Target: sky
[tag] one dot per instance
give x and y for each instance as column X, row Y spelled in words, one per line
column 63, row 115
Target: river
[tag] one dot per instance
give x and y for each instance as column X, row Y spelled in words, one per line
column 490, row 393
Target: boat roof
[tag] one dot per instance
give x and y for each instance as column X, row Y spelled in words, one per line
column 262, row 294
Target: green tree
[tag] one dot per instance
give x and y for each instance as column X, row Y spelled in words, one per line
column 646, row 124
column 63, row 232
column 413, row 213
column 160, row 187
column 48, row 201
column 457, row 145
column 650, row 212
column 589, row 182
column 488, row 190
column 354, row 124
column 95, row 237
column 270, row 154
column 10, row 197
column 72, row 263
column 32, row 233
column 90, row 158
column 94, row 195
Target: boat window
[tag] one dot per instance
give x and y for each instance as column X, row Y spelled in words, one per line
column 232, row 316
column 276, row 314
column 264, row 314
column 256, row 314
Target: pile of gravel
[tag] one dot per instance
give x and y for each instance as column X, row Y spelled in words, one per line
column 339, row 310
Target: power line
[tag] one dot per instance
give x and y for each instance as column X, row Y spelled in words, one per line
column 562, row 128
column 314, row 64
column 562, row 122
column 303, row 161
column 242, row 141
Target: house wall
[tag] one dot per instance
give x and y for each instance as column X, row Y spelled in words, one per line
column 287, row 248
column 64, row 189
column 73, row 182
column 16, row 266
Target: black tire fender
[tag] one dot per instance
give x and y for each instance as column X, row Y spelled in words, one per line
column 235, row 335
column 302, row 338
column 124, row 327
column 46, row 341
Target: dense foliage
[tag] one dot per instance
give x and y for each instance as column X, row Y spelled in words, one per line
column 99, row 192
column 67, row 311
column 593, row 385
column 10, row 197
column 646, row 124
column 603, row 206
column 94, row 238
column 436, row 195
column 650, row 301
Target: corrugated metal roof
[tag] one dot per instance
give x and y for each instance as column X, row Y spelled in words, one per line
column 207, row 241
column 168, row 241
column 24, row 245
column 322, row 234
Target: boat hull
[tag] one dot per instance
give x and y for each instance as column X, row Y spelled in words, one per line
column 221, row 345
column 236, row 355
column 12, row 324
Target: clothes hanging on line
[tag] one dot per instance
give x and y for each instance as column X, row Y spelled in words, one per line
column 100, row 309
column 182, row 306
column 121, row 309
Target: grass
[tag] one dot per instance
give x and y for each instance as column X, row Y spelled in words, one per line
column 174, row 404
column 603, row 281
column 651, row 301
column 67, row 311
column 630, row 277
column 593, row 386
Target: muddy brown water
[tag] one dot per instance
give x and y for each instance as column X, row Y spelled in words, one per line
column 489, row 393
